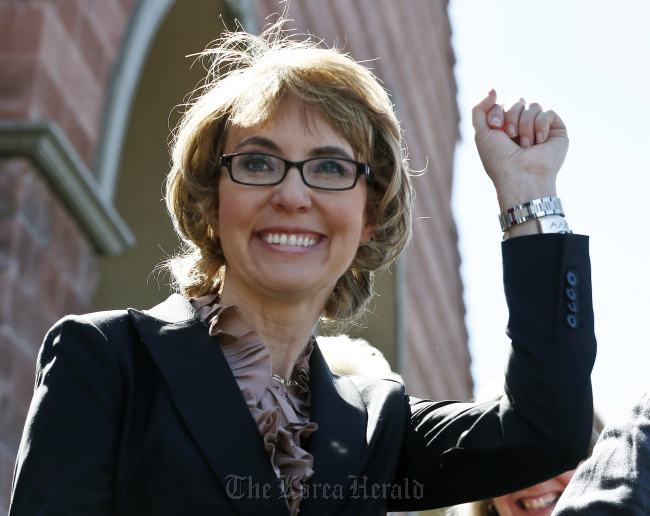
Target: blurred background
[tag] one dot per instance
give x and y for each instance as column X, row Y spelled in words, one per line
column 89, row 94
column 589, row 62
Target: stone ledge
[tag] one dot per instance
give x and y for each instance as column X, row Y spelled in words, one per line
column 53, row 155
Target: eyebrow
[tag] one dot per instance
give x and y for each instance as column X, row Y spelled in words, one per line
column 271, row 146
column 259, row 140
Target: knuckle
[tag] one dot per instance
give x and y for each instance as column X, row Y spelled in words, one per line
column 516, row 103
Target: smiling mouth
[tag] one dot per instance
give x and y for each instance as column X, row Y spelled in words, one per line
column 292, row 240
column 541, row 502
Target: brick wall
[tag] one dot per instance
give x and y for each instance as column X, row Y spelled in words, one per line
column 46, row 270
column 55, row 60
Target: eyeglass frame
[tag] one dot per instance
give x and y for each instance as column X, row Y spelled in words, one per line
column 363, row 169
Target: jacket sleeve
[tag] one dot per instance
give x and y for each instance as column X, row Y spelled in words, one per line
column 462, row 452
column 66, row 458
column 615, row 480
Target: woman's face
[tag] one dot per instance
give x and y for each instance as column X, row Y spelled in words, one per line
column 329, row 224
column 538, row 500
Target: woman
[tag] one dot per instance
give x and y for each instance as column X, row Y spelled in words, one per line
column 290, row 187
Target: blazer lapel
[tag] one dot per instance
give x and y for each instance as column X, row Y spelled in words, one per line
column 209, row 401
column 337, row 445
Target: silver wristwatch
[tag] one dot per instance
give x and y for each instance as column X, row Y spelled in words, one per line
column 534, row 209
column 550, row 224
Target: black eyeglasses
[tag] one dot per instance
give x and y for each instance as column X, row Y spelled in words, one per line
column 260, row 169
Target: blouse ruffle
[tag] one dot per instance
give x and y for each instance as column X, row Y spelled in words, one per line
column 281, row 412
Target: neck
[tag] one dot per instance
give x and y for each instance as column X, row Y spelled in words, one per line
column 284, row 327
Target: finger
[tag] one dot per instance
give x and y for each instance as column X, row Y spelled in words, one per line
column 495, row 117
column 514, row 107
column 543, row 123
column 527, row 124
column 479, row 112
column 557, row 125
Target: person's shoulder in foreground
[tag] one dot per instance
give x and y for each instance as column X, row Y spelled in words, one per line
column 616, row 479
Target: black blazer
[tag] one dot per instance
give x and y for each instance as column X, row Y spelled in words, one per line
column 137, row 413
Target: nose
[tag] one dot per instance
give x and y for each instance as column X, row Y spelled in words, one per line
column 292, row 194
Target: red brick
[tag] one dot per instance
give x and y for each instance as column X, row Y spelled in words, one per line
column 10, row 187
column 24, row 372
column 65, row 243
column 88, row 273
column 6, row 284
column 108, row 19
column 20, row 29
column 15, row 424
column 36, row 207
column 72, row 302
column 79, row 306
column 12, row 420
column 69, row 12
column 50, row 283
column 6, row 475
column 26, row 254
column 7, row 23
column 27, row 29
column 83, row 141
column 83, row 269
column 23, row 311
column 48, row 100
column 61, row 56
column 127, row 6
column 16, row 83
column 7, row 227
column 17, row 369
column 7, row 354
column 94, row 52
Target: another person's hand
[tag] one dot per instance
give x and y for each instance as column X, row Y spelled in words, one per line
column 522, row 148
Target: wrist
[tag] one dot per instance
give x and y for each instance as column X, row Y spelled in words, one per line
column 527, row 228
column 509, row 196
column 544, row 215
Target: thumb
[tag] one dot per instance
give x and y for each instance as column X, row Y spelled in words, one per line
column 480, row 111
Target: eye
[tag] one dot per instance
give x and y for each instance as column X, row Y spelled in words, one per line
column 329, row 166
column 256, row 163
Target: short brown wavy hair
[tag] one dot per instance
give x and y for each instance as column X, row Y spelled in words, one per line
column 249, row 78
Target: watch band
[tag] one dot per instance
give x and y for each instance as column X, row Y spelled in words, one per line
column 553, row 224
column 534, row 209
column 549, row 224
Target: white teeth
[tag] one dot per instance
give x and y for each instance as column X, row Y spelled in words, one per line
column 292, row 240
column 539, row 503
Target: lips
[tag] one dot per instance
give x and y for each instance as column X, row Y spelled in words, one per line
column 290, row 239
column 539, row 502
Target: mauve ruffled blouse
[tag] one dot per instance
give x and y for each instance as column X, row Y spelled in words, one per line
column 281, row 413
